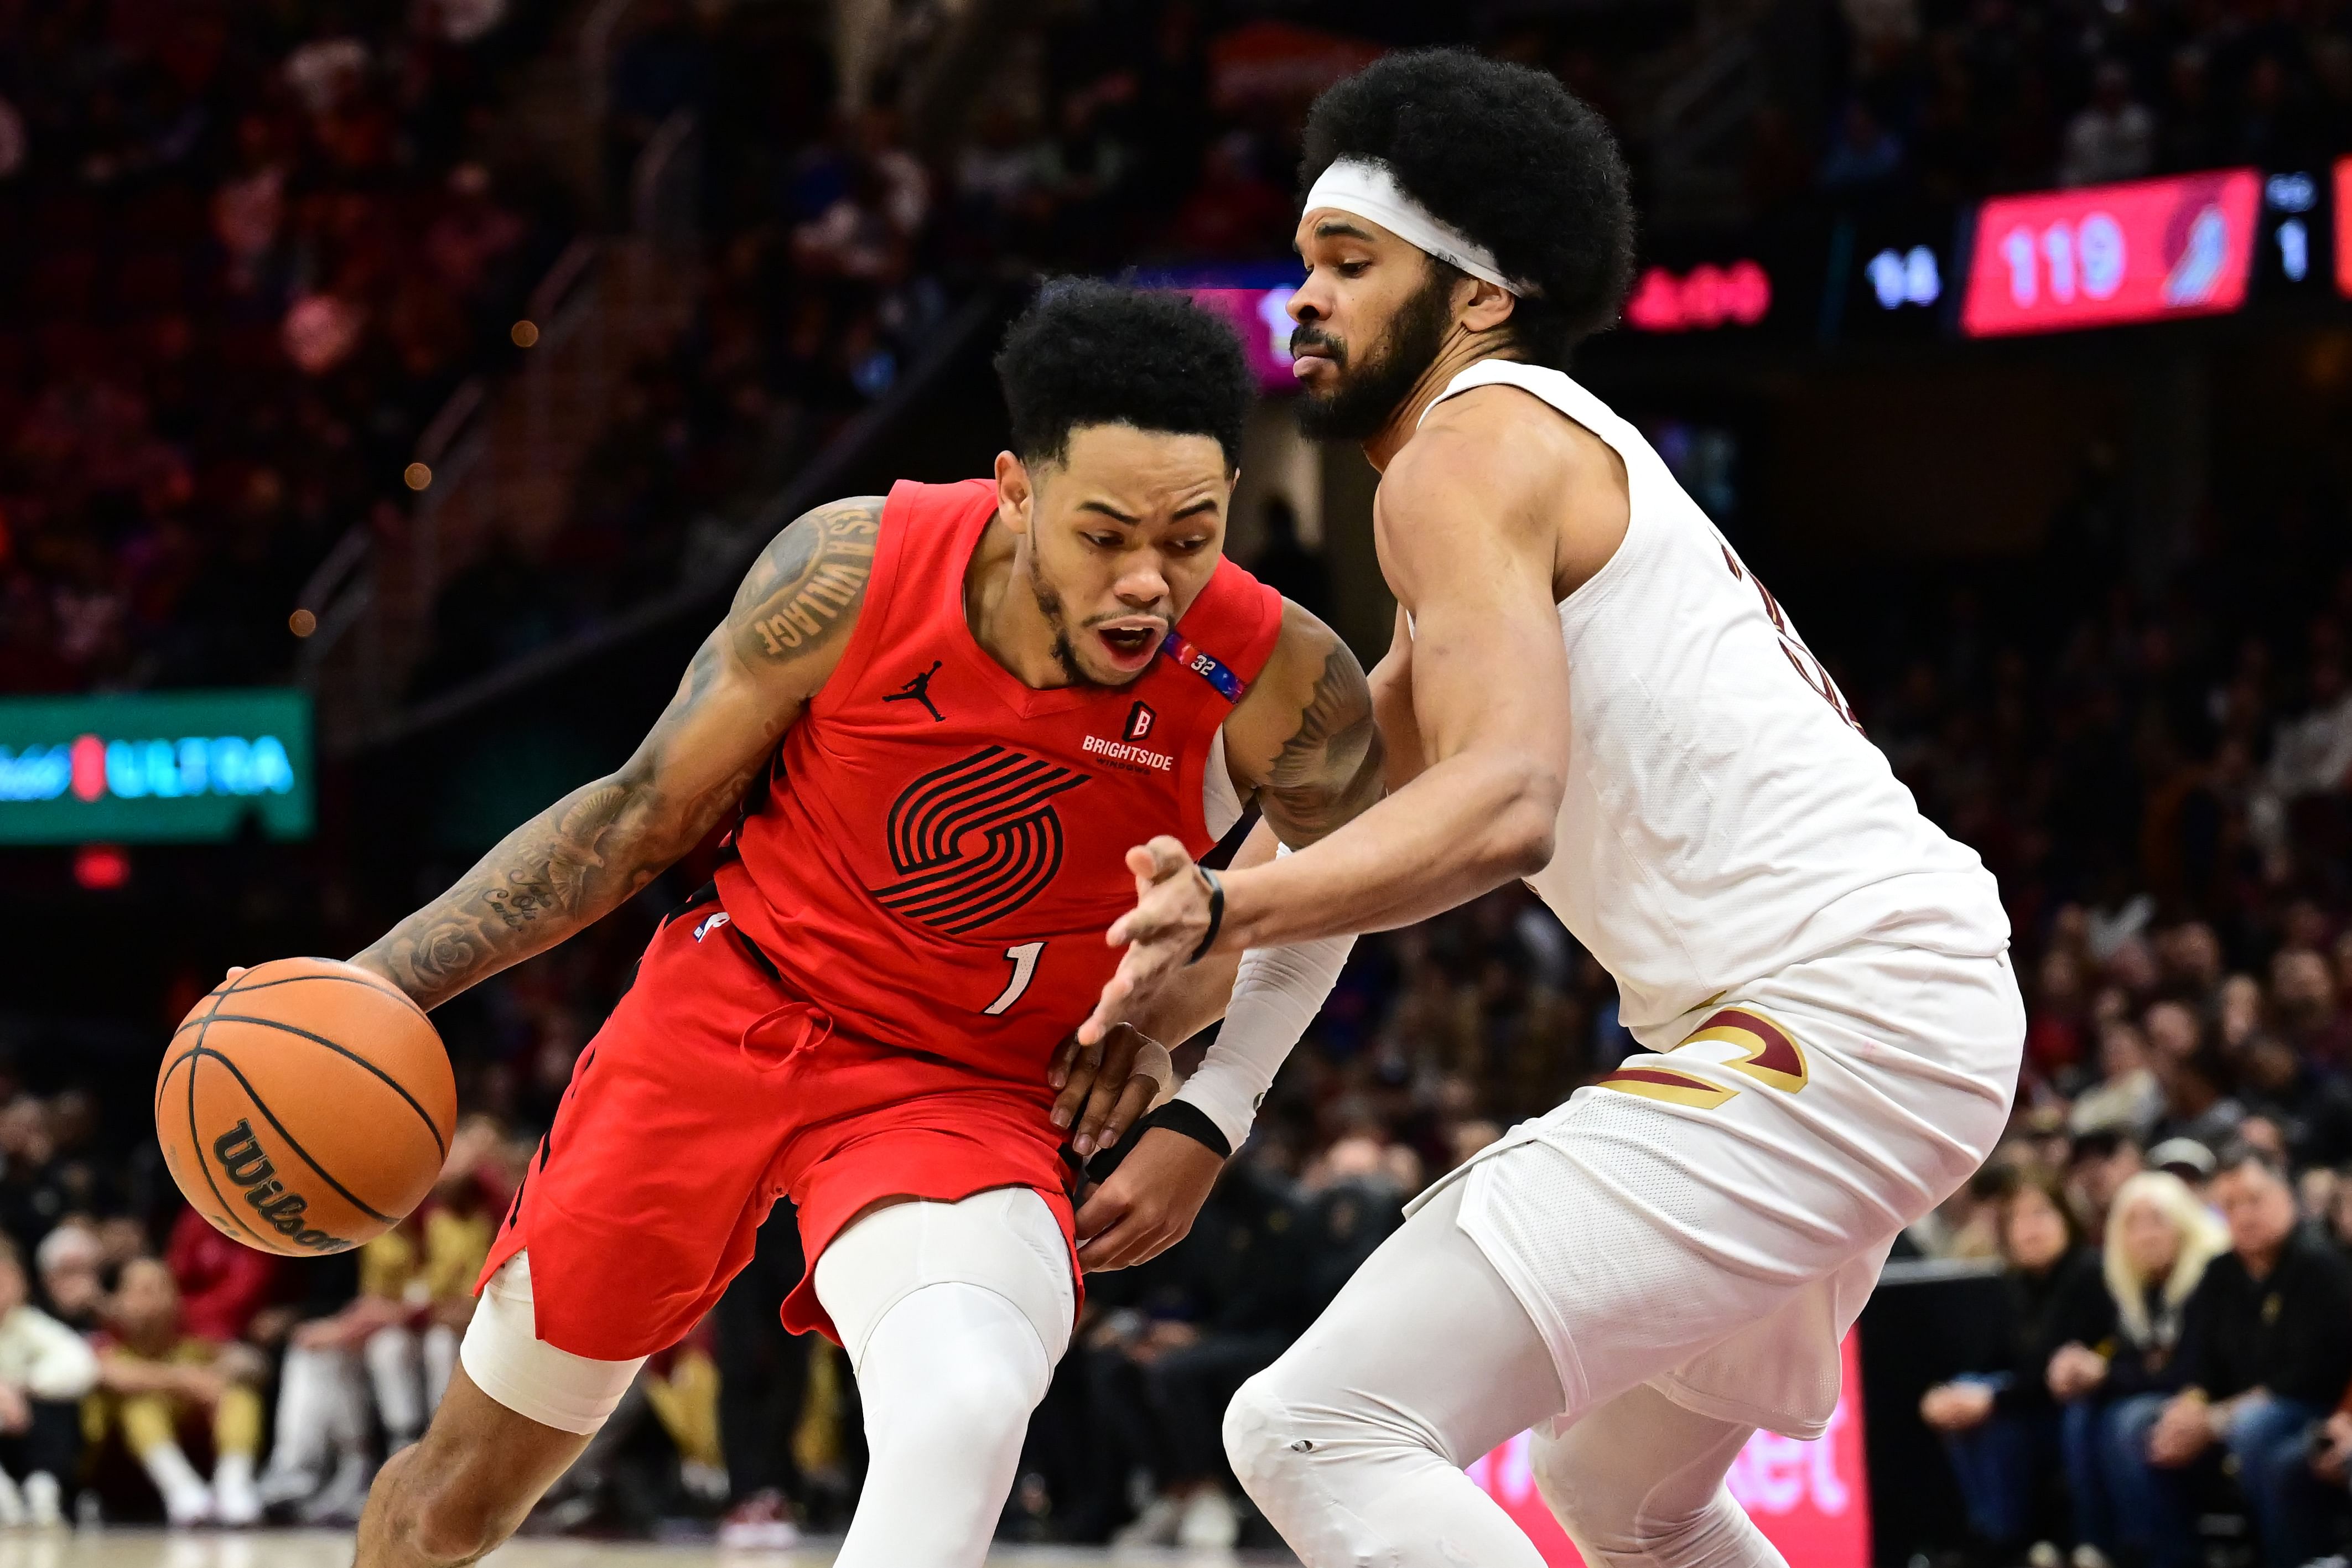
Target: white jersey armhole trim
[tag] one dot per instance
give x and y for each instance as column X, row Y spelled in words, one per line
column 1558, row 391
column 1221, row 803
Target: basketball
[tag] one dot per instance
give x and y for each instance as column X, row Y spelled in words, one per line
column 305, row 1106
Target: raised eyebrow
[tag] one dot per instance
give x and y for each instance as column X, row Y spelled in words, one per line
column 1206, row 503
column 1109, row 510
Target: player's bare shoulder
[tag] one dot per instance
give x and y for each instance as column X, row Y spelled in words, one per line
column 1498, row 458
column 799, row 600
column 1303, row 738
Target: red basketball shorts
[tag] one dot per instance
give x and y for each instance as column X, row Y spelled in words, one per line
column 712, row 1091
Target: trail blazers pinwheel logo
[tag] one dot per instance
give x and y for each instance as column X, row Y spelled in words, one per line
column 975, row 841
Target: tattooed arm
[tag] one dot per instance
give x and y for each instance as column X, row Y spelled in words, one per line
column 1303, row 739
column 1304, row 744
column 578, row 859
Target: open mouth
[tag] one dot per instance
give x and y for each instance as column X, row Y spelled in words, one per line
column 1130, row 646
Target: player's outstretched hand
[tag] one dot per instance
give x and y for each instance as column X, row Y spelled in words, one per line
column 1148, row 1203
column 1106, row 1086
column 1160, row 934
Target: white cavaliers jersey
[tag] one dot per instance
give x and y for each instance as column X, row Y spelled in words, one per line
column 1724, row 818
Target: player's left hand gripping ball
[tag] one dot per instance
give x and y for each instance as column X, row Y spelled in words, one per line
column 1175, row 909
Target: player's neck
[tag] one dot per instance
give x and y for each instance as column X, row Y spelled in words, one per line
column 1460, row 351
column 1004, row 615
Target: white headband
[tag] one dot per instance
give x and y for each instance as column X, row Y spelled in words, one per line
column 1367, row 189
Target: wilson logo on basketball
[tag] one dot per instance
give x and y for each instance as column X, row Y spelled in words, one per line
column 975, row 841
column 245, row 1166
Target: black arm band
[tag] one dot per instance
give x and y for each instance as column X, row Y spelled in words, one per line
column 1177, row 1116
column 1216, row 913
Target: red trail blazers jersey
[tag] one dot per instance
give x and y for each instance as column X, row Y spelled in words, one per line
column 939, row 848
column 912, row 924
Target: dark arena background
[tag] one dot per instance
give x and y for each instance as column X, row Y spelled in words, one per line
column 391, row 391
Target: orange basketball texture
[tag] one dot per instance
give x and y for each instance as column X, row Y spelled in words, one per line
column 305, row 1107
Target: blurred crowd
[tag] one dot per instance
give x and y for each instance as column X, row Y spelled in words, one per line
column 1956, row 98
column 253, row 251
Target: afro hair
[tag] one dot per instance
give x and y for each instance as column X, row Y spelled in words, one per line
column 1507, row 156
column 1088, row 352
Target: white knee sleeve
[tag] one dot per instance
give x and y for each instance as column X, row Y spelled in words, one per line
column 954, row 1315
column 1638, row 1483
column 1005, row 1240
column 505, row 1358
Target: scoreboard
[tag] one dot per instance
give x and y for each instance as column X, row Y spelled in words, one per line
column 2105, row 255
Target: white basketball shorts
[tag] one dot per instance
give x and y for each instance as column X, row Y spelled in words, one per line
column 1708, row 1220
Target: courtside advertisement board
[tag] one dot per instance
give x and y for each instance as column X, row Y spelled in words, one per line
column 1811, row 1499
column 2106, row 255
column 154, row 767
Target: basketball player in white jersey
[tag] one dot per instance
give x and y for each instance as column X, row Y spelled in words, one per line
column 1590, row 689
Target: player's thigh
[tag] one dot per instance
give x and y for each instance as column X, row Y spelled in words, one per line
column 1639, row 1468
column 1425, row 1345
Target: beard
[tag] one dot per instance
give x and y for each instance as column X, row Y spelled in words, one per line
column 1360, row 406
column 1065, row 652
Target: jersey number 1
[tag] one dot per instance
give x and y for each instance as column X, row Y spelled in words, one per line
column 1024, row 969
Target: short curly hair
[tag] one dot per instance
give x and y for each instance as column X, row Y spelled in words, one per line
column 1088, row 352
column 1509, row 157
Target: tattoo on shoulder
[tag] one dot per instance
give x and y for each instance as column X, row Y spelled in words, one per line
column 808, row 579
column 1329, row 768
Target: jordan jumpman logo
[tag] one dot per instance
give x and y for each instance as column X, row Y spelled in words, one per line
column 919, row 690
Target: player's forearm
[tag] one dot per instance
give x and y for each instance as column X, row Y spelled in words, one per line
column 1463, row 827
column 563, row 870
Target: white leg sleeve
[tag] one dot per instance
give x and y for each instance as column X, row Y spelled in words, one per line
column 391, row 1356
column 504, row 1355
column 1638, row 1483
column 1353, row 1443
column 954, row 1315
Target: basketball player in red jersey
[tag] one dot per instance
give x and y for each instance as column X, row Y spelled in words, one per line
column 946, row 715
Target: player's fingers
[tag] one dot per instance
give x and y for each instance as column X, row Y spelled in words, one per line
column 1057, row 1072
column 1085, row 1071
column 1142, row 1090
column 233, row 971
column 1168, row 856
column 1103, row 1208
column 1118, row 1063
column 1109, row 1248
column 1110, row 1008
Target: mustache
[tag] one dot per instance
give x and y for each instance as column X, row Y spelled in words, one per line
column 1305, row 336
column 1165, row 624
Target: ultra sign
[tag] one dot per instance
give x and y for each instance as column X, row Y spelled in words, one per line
column 154, row 767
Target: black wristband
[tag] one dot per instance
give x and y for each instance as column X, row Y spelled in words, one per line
column 1216, row 913
column 1177, row 1116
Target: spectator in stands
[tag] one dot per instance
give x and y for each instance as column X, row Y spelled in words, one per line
column 320, row 1463
column 2126, row 1098
column 2111, row 138
column 2097, row 1166
column 157, row 1381
column 1233, row 1295
column 44, row 1370
column 70, row 1260
column 2195, row 1081
column 222, row 1283
column 2160, row 1241
column 2263, row 1358
column 2000, row 1424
